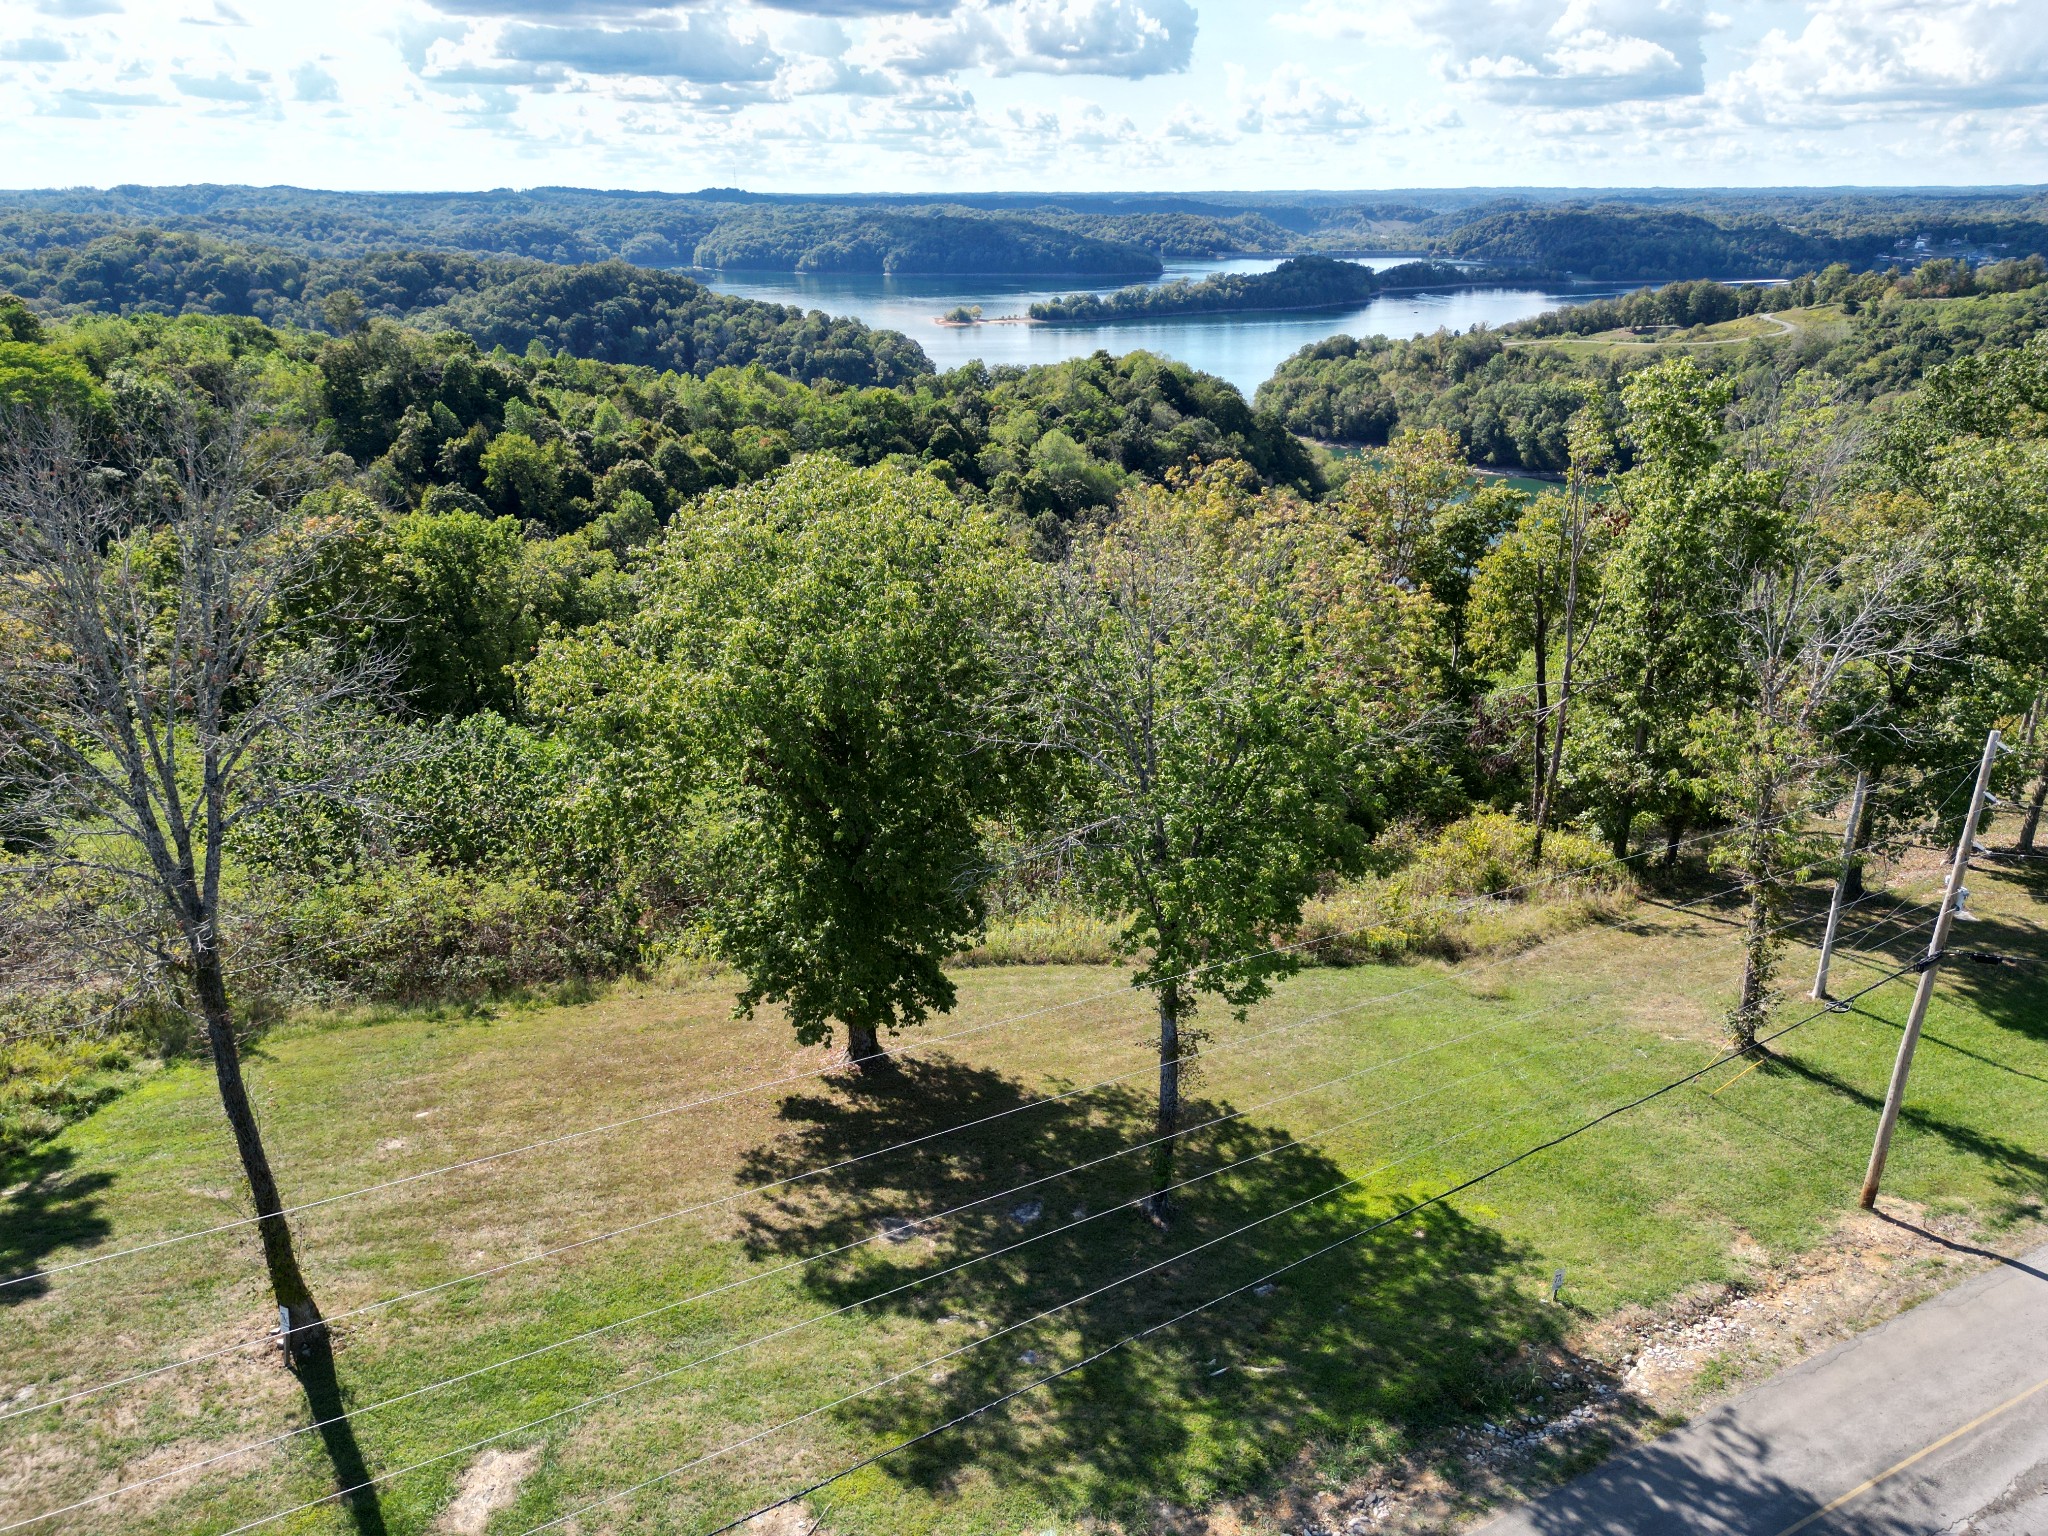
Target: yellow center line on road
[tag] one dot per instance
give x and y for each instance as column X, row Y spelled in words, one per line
column 1925, row 1451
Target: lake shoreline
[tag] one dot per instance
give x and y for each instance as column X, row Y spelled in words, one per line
column 1244, row 349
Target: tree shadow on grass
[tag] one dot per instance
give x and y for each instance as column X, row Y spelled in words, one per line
column 1432, row 1321
column 2013, row 1167
column 47, row 1207
column 337, row 1436
column 2015, row 997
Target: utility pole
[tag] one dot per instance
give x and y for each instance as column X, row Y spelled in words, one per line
column 1951, row 903
column 1827, row 944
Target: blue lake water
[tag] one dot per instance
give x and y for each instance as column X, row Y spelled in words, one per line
column 1245, row 349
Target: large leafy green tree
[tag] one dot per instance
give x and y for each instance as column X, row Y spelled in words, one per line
column 1203, row 676
column 807, row 687
column 1661, row 652
column 1536, row 597
column 1967, row 460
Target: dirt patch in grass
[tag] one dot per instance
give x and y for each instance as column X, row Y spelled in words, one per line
column 789, row 1520
column 491, row 1484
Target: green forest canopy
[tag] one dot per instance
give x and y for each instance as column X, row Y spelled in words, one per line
column 1640, row 234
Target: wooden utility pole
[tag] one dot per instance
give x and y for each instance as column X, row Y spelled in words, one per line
column 1827, row 944
column 1951, row 902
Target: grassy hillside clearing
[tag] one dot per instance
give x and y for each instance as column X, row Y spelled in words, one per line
column 1826, row 319
column 1378, row 1348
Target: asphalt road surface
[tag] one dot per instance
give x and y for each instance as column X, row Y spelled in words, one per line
column 1935, row 1422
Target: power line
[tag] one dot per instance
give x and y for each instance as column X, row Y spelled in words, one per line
column 489, row 1272
column 925, row 1042
column 1405, row 1214
column 1009, row 1328
column 935, row 1216
column 922, row 1221
column 987, row 1199
column 921, row 1280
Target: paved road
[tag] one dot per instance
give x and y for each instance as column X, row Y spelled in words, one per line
column 1935, row 1422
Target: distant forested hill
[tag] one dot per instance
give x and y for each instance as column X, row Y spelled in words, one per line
column 1641, row 234
column 1508, row 395
column 1620, row 242
column 653, row 229
column 612, row 311
column 1653, row 233
column 937, row 240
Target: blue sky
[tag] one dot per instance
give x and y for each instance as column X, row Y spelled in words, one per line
column 823, row 95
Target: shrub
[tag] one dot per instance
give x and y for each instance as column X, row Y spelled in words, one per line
column 1476, row 884
column 50, row 1078
column 411, row 932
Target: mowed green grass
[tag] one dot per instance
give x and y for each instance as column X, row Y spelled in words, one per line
column 1409, row 1079
column 1825, row 320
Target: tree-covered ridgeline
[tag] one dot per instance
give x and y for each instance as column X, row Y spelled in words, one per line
column 611, row 311
column 507, row 487
column 1630, row 237
column 572, row 227
column 1508, row 394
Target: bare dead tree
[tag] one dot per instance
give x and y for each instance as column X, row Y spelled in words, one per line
column 1812, row 624
column 160, row 685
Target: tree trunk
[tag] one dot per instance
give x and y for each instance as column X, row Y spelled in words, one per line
column 1624, row 823
column 1750, row 1010
column 1537, row 790
column 1866, row 829
column 1159, row 1204
column 1564, row 687
column 2032, row 824
column 1674, row 839
column 864, row 1051
column 306, row 1334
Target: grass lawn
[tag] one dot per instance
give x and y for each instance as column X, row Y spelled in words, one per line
column 1826, row 320
column 1438, row 1319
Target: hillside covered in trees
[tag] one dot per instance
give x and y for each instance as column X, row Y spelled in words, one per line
column 1507, row 395
column 1635, row 235
column 613, row 311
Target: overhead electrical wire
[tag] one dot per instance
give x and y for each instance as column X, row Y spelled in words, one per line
column 473, row 1276
column 926, row 1220
column 1005, row 1331
column 491, row 1271
column 671, row 1373
column 763, row 1085
column 990, row 1198
column 1407, row 1213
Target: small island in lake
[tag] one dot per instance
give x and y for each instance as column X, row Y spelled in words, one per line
column 1305, row 283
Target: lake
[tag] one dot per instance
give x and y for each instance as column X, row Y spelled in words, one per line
column 1245, row 349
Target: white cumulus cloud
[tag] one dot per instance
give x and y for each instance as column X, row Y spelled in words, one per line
column 1932, row 53
column 1559, row 52
column 1126, row 38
